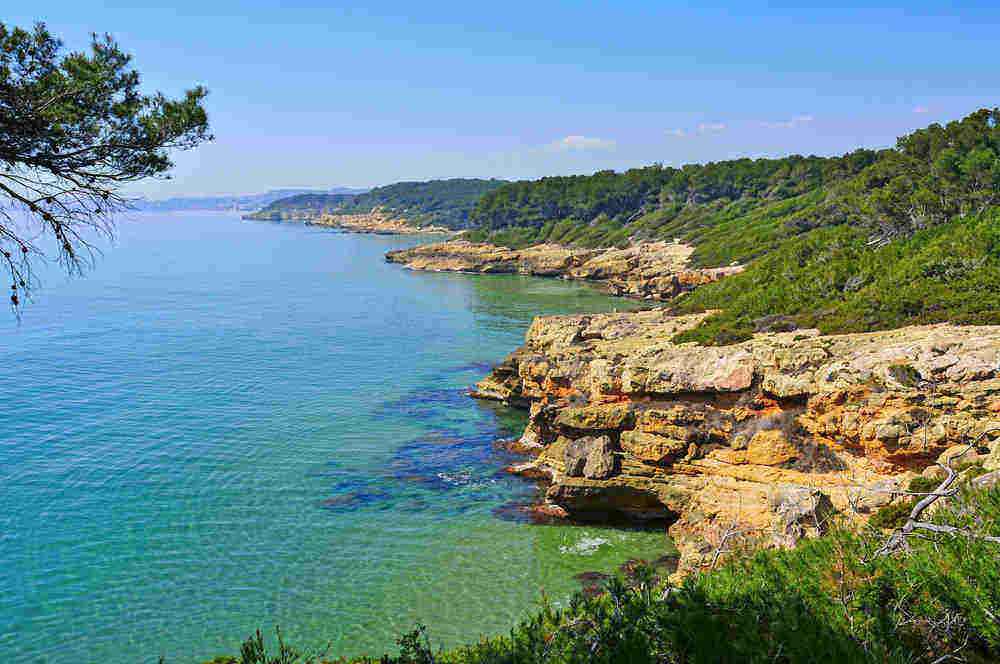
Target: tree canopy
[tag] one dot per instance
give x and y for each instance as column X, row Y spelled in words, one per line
column 740, row 209
column 74, row 128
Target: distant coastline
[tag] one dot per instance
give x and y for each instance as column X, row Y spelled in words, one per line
column 376, row 223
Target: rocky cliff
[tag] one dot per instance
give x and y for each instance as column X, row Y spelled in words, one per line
column 770, row 436
column 654, row 271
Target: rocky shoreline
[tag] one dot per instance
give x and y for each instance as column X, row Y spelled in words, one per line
column 770, row 436
column 653, row 271
column 375, row 223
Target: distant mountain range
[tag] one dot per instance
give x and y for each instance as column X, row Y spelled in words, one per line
column 239, row 202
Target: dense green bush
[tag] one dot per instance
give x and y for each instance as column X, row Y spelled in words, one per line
column 836, row 280
column 890, row 517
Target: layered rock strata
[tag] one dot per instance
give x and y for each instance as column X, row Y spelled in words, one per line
column 654, row 271
column 769, row 437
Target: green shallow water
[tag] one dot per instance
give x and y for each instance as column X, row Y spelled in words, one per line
column 232, row 424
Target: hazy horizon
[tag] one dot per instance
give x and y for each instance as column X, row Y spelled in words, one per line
column 325, row 96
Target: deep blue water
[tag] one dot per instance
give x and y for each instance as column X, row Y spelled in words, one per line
column 233, row 424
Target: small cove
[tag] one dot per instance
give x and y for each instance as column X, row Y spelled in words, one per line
column 234, row 424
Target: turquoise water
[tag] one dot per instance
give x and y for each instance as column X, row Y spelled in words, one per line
column 232, row 424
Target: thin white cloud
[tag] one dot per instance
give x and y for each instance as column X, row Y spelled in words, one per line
column 921, row 109
column 579, row 143
column 711, row 127
column 797, row 121
column 676, row 132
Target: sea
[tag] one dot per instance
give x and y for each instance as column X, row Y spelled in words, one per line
column 227, row 425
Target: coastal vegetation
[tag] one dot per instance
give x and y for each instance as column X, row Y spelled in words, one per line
column 870, row 240
column 836, row 280
column 657, row 202
column 444, row 203
column 739, row 209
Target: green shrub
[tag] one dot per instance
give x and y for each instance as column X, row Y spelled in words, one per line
column 923, row 484
column 832, row 279
column 891, row 517
column 905, row 374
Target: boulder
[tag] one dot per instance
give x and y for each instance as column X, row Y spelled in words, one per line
column 592, row 457
column 601, row 501
column 601, row 460
column 575, row 456
column 606, row 417
column 650, row 448
column 879, row 494
column 769, row 448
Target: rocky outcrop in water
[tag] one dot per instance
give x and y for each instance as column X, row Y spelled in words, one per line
column 770, row 436
column 378, row 223
column 654, row 271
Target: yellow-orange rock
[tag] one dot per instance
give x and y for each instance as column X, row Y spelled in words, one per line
column 651, row 448
column 703, row 435
column 649, row 270
column 611, row 416
column 729, row 455
column 769, row 448
column 667, row 422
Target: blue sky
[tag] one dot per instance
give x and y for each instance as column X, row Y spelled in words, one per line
column 308, row 93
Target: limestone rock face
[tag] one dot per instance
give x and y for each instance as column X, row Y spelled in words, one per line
column 609, row 416
column 575, row 456
column 592, row 457
column 653, row 449
column 707, row 437
column 653, row 271
column 991, row 461
column 770, row 448
column 601, row 463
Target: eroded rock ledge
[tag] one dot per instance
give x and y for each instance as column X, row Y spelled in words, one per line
column 655, row 271
column 766, row 434
column 378, row 223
